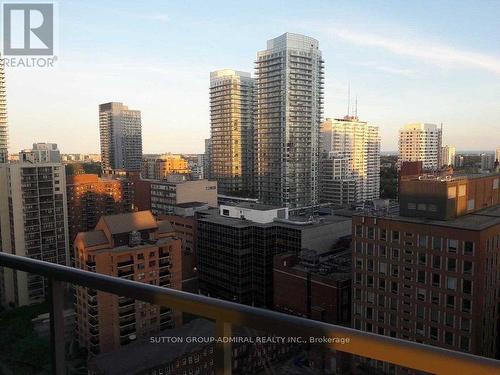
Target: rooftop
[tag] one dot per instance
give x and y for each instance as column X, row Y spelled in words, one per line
column 128, row 222
column 143, row 355
column 191, row 204
column 478, row 220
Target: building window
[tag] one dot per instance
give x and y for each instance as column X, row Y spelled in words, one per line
column 422, row 259
column 382, row 251
column 395, row 270
column 422, row 207
column 225, row 212
column 450, row 301
column 495, row 183
column 450, row 320
column 369, row 281
column 369, row 249
column 452, row 192
column 395, row 236
column 466, row 306
column 470, row 205
column 382, row 268
column 383, row 234
column 452, row 246
column 422, row 240
column 433, row 333
column 421, row 277
column 435, row 315
column 464, row 343
column 451, row 283
column 436, row 262
column 465, row 324
column 467, row 267
column 468, row 248
column 395, row 254
column 435, row 298
column 462, row 190
column 448, row 338
column 437, row 243
column 467, row 286
column 421, row 294
column 359, row 247
column 359, row 230
column 371, row 233
column 436, row 280
column 452, row 264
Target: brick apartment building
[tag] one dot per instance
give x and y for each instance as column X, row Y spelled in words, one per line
column 90, row 197
column 430, row 274
column 312, row 288
column 132, row 246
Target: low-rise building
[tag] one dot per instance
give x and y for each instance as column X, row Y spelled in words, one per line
column 236, row 246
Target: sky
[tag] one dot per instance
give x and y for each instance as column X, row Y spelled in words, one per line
column 406, row 61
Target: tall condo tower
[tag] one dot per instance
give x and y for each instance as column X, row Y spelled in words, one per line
column 289, row 76
column 421, row 142
column 4, row 139
column 121, row 137
column 232, row 103
column 351, row 153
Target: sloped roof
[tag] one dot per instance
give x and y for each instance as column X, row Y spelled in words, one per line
column 125, row 223
column 93, row 238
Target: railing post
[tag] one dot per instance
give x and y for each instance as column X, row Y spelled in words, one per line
column 57, row 341
column 223, row 348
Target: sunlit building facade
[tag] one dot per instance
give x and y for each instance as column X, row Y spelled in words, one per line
column 232, row 103
column 289, row 77
column 159, row 167
column 421, row 142
column 448, row 155
column 351, row 164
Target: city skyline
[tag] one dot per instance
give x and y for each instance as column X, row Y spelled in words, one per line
column 443, row 75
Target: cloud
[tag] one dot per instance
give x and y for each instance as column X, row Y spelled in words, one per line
column 389, row 69
column 441, row 55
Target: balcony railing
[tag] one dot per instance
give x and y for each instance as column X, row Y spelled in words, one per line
column 227, row 314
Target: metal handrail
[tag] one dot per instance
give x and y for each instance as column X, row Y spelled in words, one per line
column 383, row 348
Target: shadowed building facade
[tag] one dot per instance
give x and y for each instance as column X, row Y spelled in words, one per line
column 232, row 115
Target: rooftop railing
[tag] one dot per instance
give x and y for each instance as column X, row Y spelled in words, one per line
column 227, row 314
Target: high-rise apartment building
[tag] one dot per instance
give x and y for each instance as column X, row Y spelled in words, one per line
column 430, row 273
column 41, row 153
column 232, row 115
column 351, row 152
column 421, row 142
column 4, row 135
column 159, row 167
column 132, row 246
column 121, row 137
column 448, row 155
column 34, row 224
column 289, row 77
column 90, row 197
column 487, row 161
